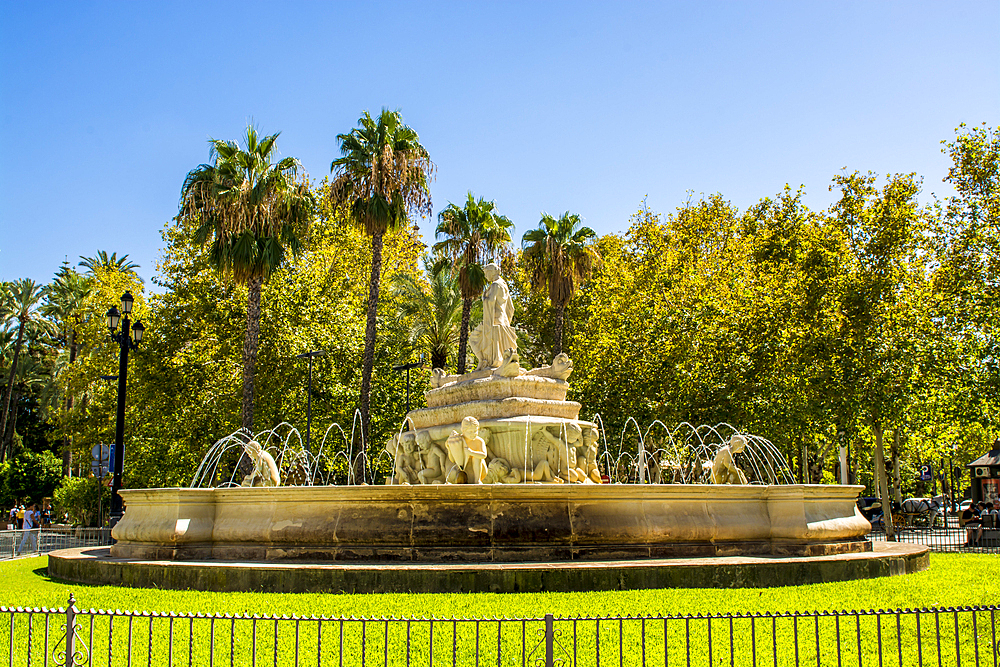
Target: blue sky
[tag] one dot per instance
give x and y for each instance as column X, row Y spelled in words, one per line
column 541, row 106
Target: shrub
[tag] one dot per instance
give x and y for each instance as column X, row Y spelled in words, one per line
column 78, row 497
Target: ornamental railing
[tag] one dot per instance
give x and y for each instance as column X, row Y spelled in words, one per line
column 37, row 541
column 71, row 636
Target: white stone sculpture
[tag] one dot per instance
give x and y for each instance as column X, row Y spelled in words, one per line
column 724, row 470
column 499, row 471
column 468, row 452
column 404, row 465
column 433, row 460
column 265, row 470
column 494, row 335
column 510, row 365
column 590, row 436
column 560, row 368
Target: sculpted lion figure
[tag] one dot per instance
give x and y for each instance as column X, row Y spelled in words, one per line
column 560, row 369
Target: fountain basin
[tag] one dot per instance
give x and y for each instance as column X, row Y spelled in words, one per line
column 489, row 523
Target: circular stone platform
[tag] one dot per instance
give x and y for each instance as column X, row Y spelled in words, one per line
column 96, row 566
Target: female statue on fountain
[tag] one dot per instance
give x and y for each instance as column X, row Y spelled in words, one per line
column 495, row 334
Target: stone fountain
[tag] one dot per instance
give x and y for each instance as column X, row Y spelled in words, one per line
column 495, row 485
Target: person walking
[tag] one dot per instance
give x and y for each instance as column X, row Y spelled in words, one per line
column 29, row 532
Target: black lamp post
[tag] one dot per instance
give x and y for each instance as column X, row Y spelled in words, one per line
column 407, row 368
column 128, row 338
column 310, row 356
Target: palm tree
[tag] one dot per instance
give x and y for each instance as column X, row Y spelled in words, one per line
column 30, row 373
column 559, row 257
column 435, row 314
column 250, row 209
column 109, row 262
column 22, row 297
column 381, row 177
column 64, row 305
column 473, row 235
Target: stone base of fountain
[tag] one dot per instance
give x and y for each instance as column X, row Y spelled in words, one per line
column 96, row 566
column 489, row 523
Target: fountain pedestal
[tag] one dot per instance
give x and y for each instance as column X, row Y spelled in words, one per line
column 489, row 523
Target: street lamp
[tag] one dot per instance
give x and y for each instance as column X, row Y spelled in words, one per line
column 407, row 367
column 310, row 356
column 128, row 337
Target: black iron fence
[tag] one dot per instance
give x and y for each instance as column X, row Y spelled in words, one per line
column 43, row 540
column 944, row 534
column 69, row 636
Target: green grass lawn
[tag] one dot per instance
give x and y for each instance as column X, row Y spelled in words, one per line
column 952, row 580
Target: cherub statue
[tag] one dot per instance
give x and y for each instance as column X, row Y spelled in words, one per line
column 548, row 468
column 590, row 437
column 468, row 451
column 499, row 471
column 724, row 470
column 265, row 470
column 573, row 456
column 434, row 462
column 403, row 459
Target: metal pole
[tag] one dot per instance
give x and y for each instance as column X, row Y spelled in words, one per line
column 309, row 404
column 116, row 480
column 407, row 367
column 309, row 356
column 407, row 389
column 951, row 476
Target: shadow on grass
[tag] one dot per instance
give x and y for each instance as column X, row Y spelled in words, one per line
column 43, row 574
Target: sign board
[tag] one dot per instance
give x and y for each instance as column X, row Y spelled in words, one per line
column 926, row 474
column 111, row 459
column 100, row 461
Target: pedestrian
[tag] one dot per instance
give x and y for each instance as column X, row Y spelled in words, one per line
column 20, row 517
column 12, row 518
column 29, row 530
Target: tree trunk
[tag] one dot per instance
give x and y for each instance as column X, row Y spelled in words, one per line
column 67, row 454
column 369, row 359
column 896, row 478
column 10, row 387
column 8, row 441
column 560, row 315
column 250, row 350
column 439, row 358
column 463, row 337
column 881, row 484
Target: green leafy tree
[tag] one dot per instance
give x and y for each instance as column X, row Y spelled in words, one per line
column 880, row 358
column 559, row 256
column 474, row 235
column 24, row 297
column 80, row 498
column 31, row 475
column 434, row 310
column 381, row 177
column 251, row 209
